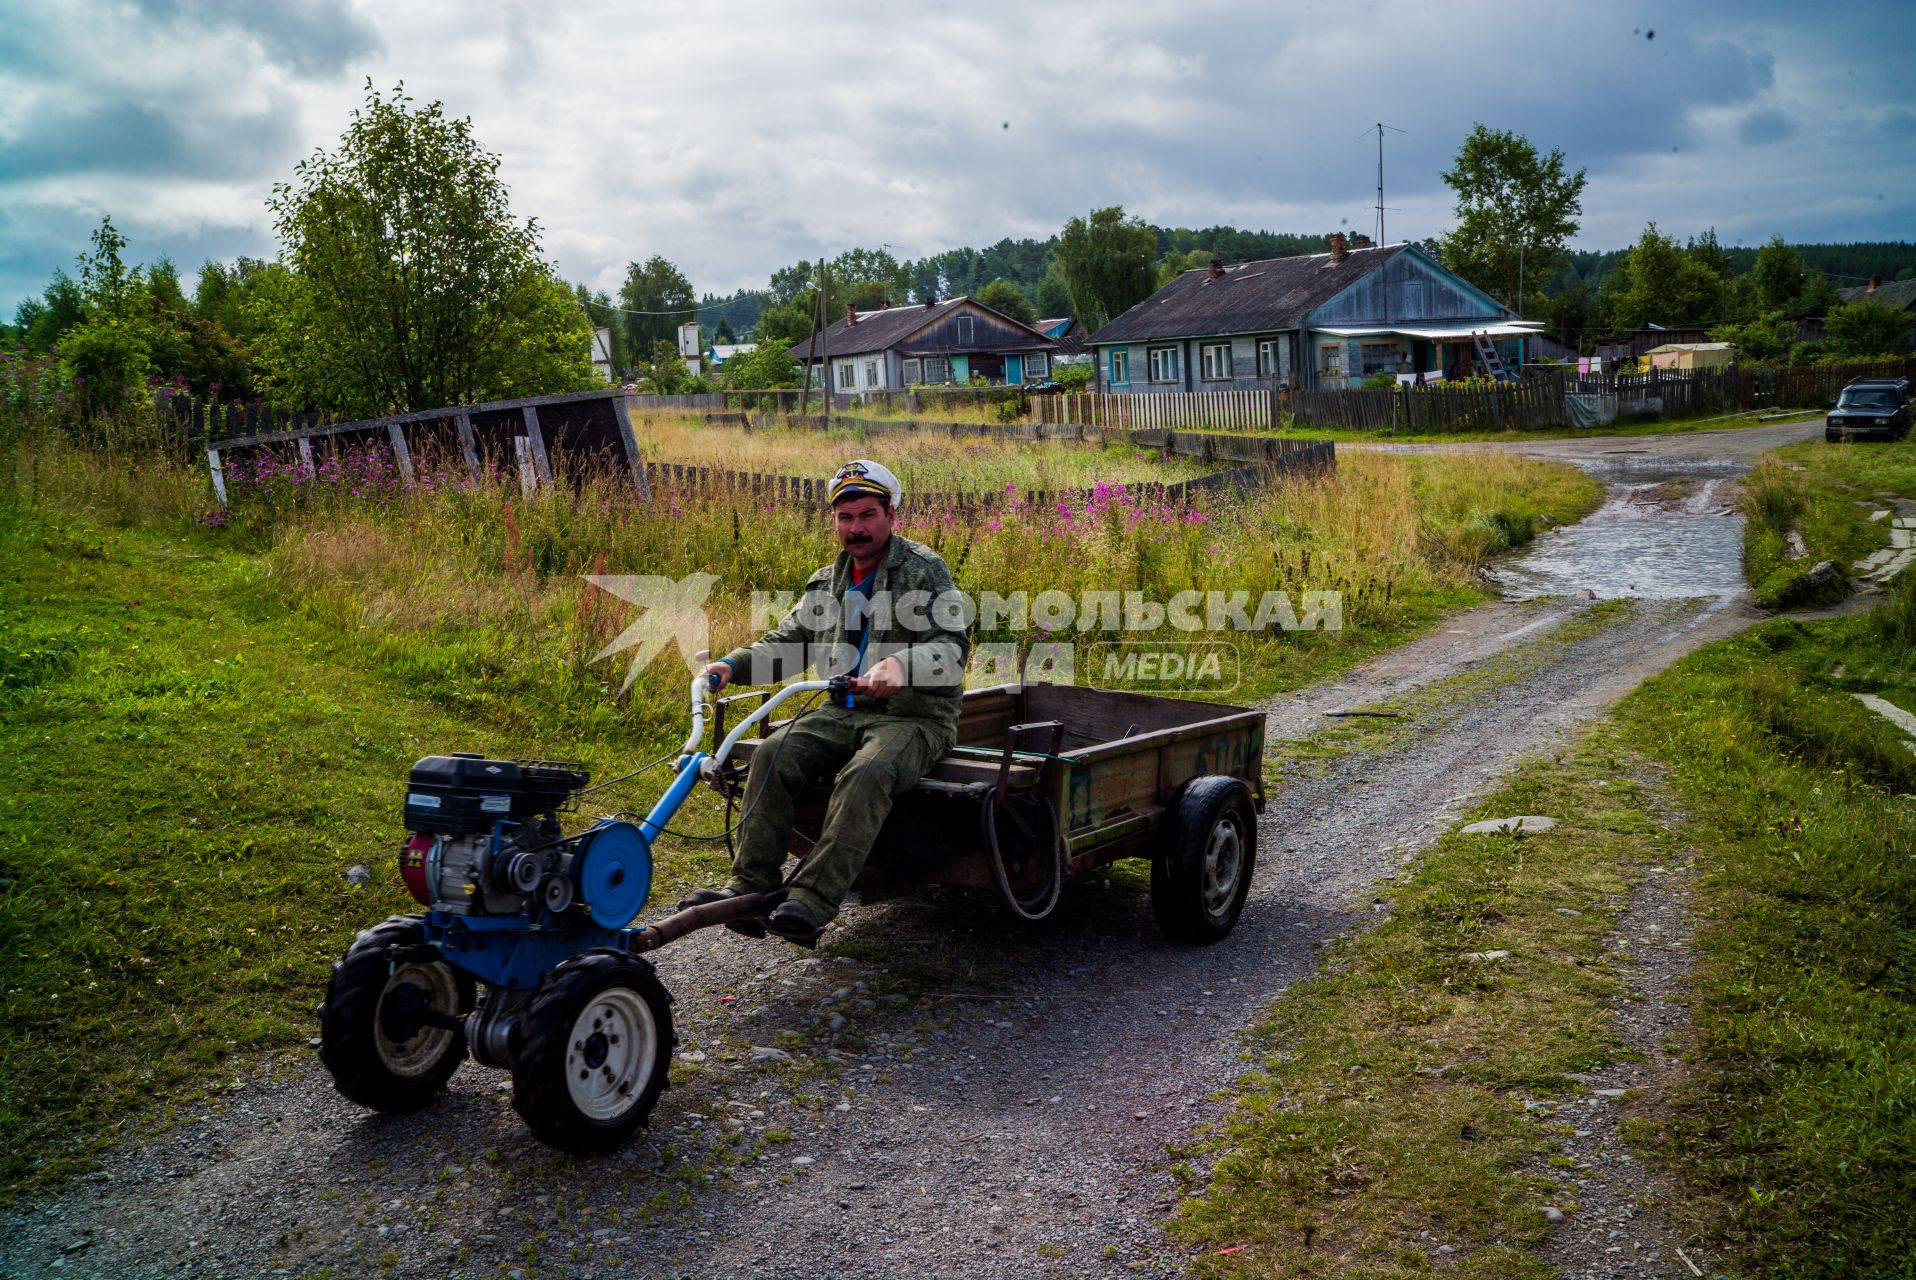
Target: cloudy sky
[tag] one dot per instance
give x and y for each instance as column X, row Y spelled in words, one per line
column 735, row 138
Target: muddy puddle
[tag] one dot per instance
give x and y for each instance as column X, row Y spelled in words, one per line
column 1666, row 530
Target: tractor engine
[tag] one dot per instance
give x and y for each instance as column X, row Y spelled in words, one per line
column 485, row 835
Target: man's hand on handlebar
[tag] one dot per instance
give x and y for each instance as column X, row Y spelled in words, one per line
column 882, row 681
column 718, row 675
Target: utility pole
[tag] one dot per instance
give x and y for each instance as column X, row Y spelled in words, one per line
column 824, row 346
column 805, row 385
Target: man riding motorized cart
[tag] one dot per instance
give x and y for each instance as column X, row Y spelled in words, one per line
column 529, row 953
column 886, row 614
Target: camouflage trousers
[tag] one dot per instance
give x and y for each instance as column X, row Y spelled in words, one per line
column 875, row 757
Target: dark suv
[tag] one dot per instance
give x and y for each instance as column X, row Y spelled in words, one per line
column 1869, row 409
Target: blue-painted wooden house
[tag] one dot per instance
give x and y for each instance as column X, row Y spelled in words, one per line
column 954, row 340
column 1326, row 320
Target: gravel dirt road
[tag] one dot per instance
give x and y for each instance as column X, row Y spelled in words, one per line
column 943, row 1095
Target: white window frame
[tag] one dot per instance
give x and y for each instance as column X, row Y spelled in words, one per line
column 914, row 373
column 1163, row 363
column 1269, row 362
column 967, row 330
column 1037, row 367
column 1216, row 361
column 937, row 370
column 847, row 376
column 1120, row 368
column 1330, row 360
column 872, row 378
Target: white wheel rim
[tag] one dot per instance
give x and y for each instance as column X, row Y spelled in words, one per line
column 1223, row 864
column 415, row 1057
column 611, row 1050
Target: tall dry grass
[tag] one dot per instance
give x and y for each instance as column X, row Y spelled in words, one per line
column 477, row 593
column 925, row 463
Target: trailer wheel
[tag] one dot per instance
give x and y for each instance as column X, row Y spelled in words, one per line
column 590, row 1053
column 1200, row 882
column 386, row 1030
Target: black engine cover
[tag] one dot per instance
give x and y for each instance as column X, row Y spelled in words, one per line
column 464, row 794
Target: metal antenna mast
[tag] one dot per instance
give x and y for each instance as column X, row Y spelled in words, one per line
column 1380, row 126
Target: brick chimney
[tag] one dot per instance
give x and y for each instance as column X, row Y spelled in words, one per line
column 1340, row 248
column 931, row 299
column 1217, row 269
column 851, row 314
column 1875, row 283
column 1360, row 241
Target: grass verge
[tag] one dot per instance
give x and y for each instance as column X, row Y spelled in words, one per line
column 1797, row 1137
column 1382, row 1131
column 1823, row 493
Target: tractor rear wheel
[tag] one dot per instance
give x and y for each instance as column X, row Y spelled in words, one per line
column 591, row 1051
column 387, row 1030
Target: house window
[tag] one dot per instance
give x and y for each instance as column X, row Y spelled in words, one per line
column 1120, row 368
column 1268, row 361
column 845, row 378
column 871, row 373
column 937, row 369
column 1164, row 364
column 1217, row 361
column 1380, row 357
column 1330, row 360
column 1037, row 367
column 967, row 330
column 912, row 376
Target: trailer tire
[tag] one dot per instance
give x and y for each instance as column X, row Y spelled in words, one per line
column 1199, row 883
column 591, row 1052
column 379, row 1056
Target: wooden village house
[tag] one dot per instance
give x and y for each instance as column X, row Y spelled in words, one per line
column 930, row 343
column 1326, row 320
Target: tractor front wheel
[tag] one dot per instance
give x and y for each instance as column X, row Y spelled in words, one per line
column 389, row 1030
column 591, row 1051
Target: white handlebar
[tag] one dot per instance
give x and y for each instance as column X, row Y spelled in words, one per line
column 701, row 694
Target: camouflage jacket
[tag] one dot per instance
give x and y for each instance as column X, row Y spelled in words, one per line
column 915, row 613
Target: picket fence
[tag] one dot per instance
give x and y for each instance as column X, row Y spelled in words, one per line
column 1201, row 410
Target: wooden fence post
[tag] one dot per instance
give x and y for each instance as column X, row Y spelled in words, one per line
column 306, row 452
column 401, row 454
column 631, row 441
column 468, row 443
column 536, row 442
column 528, row 475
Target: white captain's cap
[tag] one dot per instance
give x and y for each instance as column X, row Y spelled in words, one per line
column 863, row 476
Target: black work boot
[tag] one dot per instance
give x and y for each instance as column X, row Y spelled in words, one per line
column 794, row 922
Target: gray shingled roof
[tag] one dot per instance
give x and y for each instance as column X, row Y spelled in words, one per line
column 1893, row 293
column 876, row 330
column 1275, row 293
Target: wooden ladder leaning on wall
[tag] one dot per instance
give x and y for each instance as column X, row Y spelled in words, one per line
column 1488, row 357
